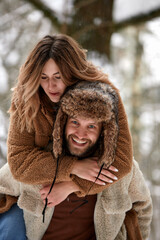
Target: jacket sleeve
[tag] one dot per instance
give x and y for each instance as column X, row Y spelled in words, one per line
column 123, row 157
column 28, row 161
column 9, row 189
column 141, row 200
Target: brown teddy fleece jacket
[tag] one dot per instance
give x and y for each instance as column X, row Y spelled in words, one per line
column 31, row 164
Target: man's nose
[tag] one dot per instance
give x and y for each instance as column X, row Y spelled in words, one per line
column 81, row 133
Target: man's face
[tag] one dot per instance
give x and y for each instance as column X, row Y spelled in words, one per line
column 81, row 134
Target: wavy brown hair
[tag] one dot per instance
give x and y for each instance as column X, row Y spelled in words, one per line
column 72, row 62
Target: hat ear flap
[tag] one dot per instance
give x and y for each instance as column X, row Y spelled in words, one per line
column 110, row 131
column 58, row 132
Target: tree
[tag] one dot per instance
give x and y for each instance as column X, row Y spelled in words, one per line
column 91, row 23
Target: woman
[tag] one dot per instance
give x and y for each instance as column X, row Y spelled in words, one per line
column 55, row 63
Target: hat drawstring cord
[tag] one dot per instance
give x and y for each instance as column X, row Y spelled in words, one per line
column 46, row 200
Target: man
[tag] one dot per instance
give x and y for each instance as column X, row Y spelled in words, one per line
column 88, row 119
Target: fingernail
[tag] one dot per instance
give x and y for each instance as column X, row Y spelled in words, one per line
column 116, row 170
column 115, row 178
column 110, row 181
column 104, row 184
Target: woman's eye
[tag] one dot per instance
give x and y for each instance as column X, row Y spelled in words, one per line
column 44, row 78
column 58, row 77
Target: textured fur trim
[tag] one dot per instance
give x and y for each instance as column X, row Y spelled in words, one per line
column 93, row 100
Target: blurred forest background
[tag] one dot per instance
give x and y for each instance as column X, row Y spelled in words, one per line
column 122, row 37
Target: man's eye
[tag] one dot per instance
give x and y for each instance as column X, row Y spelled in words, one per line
column 57, row 77
column 91, row 126
column 75, row 122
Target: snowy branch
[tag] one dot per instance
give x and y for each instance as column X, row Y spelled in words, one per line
column 49, row 13
column 116, row 26
column 141, row 18
column 110, row 25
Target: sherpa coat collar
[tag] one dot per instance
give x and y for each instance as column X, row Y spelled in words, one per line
column 111, row 207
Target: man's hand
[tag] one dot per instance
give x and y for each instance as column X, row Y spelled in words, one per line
column 88, row 169
column 59, row 192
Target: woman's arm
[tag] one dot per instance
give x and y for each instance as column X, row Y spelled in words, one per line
column 87, row 169
column 31, row 164
column 59, row 192
column 28, row 161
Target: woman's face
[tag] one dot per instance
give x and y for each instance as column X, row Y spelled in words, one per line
column 51, row 81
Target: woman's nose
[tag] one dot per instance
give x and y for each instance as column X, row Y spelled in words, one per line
column 51, row 83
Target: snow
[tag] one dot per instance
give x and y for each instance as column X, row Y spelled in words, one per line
column 62, row 8
column 56, row 5
column 35, row 16
column 151, row 46
column 3, row 80
column 12, row 58
column 128, row 8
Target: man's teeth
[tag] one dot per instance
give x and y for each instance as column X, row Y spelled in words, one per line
column 79, row 141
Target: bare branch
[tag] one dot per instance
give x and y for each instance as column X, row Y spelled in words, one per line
column 49, row 13
column 119, row 25
column 142, row 18
column 83, row 3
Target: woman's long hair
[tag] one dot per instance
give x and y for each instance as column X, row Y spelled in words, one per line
column 72, row 62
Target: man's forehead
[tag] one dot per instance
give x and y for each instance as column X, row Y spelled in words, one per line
column 84, row 119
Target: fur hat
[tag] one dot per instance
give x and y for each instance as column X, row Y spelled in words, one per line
column 95, row 100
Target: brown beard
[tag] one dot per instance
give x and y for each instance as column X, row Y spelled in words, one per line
column 90, row 151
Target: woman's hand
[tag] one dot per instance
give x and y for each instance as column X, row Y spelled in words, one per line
column 59, row 192
column 88, row 169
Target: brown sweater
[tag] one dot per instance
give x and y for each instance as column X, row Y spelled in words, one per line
column 78, row 225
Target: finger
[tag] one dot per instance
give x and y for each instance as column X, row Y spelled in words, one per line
column 112, row 168
column 108, row 174
column 105, row 179
column 43, row 197
column 98, row 181
column 50, row 205
column 43, row 191
column 44, row 202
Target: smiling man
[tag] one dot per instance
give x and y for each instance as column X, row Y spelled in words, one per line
column 81, row 135
column 87, row 126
